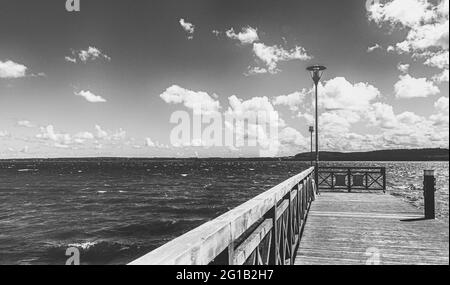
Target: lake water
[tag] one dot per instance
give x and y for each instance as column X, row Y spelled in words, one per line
column 115, row 210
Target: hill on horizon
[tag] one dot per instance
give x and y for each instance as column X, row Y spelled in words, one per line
column 426, row 154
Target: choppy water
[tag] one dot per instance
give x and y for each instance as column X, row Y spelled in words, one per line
column 116, row 210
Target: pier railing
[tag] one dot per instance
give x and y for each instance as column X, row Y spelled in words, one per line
column 264, row 230
column 352, row 178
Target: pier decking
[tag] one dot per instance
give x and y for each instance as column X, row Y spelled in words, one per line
column 367, row 228
column 291, row 224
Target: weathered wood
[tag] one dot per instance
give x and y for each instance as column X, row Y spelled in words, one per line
column 347, row 228
column 243, row 251
column 204, row 243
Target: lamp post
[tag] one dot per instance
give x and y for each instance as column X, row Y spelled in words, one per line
column 311, row 130
column 316, row 74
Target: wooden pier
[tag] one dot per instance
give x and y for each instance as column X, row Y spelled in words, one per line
column 367, row 228
column 292, row 224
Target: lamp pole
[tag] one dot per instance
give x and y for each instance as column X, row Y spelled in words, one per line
column 316, row 74
column 311, row 130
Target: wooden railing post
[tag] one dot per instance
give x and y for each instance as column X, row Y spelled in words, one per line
column 289, row 225
column 428, row 194
column 231, row 253
column 274, row 246
column 349, row 180
column 383, row 172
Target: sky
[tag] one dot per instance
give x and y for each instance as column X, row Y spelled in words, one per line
column 130, row 78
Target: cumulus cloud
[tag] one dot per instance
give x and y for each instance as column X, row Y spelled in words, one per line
column 189, row 28
column 441, row 118
column 426, row 24
column 49, row 133
column 338, row 93
column 3, row 134
column 439, row 60
column 90, row 97
column 196, row 100
column 373, row 48
column 292, row 100
column 246, row 108
column 100, row 133
column 25, row 124
column 410, row 87
column 149, row 142
column 405, row 12
column 247, row 35
column 441, row 77
column 382, row 115
column 403, row 67
column 90, row 54
column 272, row 55
column 256, row 70
column 10, row 69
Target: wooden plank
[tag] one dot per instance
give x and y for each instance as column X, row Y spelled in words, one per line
column 243, row 251
column 281, row 209
column 349, row 228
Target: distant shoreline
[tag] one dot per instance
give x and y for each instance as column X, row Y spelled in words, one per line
column 407, row 155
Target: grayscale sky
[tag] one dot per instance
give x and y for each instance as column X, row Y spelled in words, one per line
column 105, row 81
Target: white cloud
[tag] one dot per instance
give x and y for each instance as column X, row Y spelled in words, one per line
column 373, row 48
column 90, row 97
column 441, row 118
column 247, row 35
column 100, row 133
column 426, row 24
column 3, row 134
column 403, row 67
column 426, row 36
column 290, row 136
column 442, row 105
column 442, row 77
column 149, row 142
column 10, row 69
column 188, row 28
column 272, row 55
column 405, row 12
column 119, row 135
column 390, row 49
column 90, row 54
column 49, row 133
column 200, row 101
column 382, row 115
column 25, row 124
column 246, row 108
column 82, row 137
column 256, row 70
column 292, row 100
column 410, row 87
column 70, row 59
column 439, row 60
column 338, row 93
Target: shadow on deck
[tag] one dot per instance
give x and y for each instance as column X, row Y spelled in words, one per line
column 369, row 228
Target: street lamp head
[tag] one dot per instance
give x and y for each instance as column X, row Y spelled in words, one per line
column 311, row 129
column 316, row 72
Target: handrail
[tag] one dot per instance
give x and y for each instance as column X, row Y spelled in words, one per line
column 352, row 178
column 263, row 230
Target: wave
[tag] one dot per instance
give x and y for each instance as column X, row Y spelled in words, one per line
column 96, row 251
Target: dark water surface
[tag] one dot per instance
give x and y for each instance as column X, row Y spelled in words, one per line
column 115, row 210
